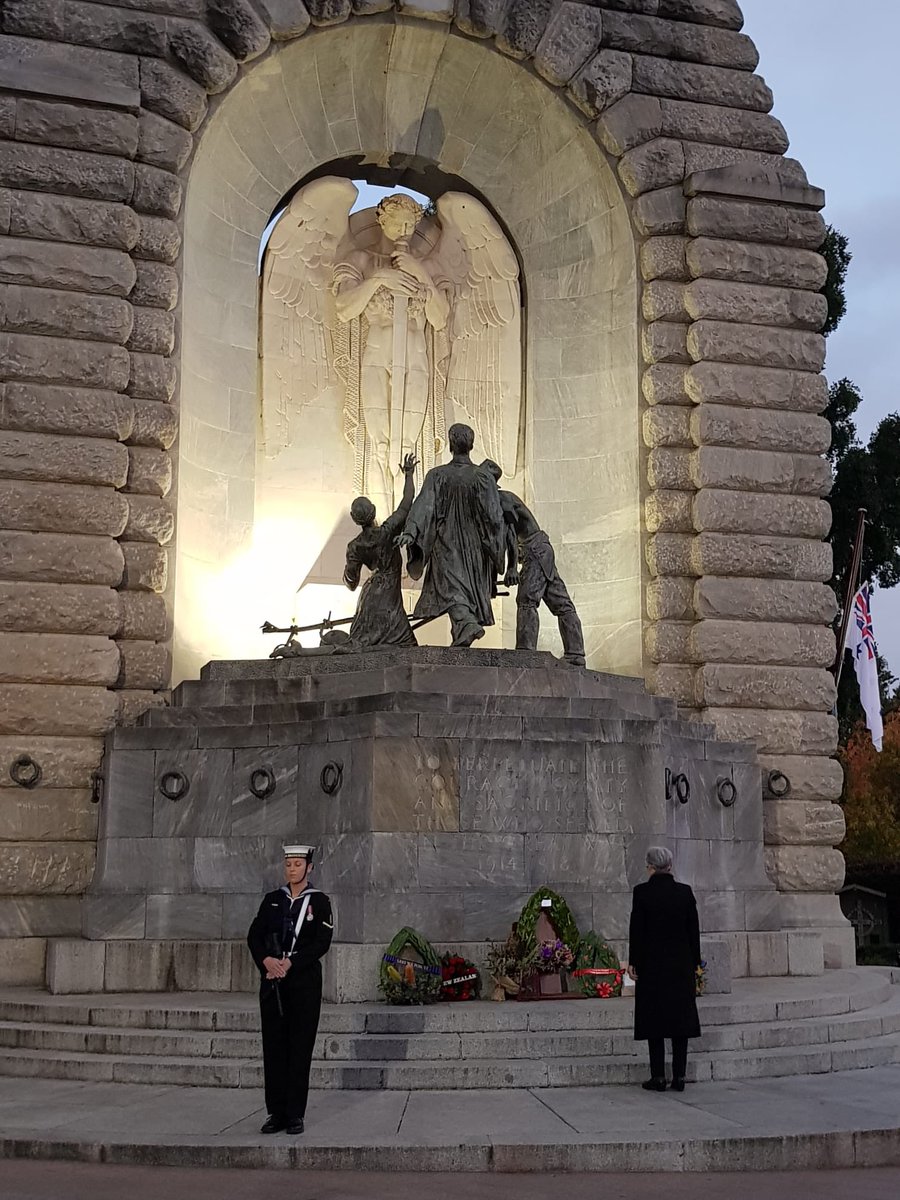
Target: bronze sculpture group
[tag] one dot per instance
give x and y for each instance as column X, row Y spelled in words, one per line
column 464, row 534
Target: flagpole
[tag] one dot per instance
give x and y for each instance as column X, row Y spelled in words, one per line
column 850, row 592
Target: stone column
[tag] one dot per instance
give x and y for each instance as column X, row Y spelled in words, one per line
column 89, row 196
column 65, row 316
column 739, row 602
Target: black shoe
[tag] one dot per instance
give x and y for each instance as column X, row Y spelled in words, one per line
column 295, row 1125
column 677, row 1085
column 654, row 1085
column 274, row 1125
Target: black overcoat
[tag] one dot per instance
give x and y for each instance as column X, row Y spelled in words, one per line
column 664, row 949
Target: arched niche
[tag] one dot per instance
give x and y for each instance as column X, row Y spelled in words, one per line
column 425, row 95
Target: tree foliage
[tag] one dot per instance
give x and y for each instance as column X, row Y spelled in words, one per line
column 864, row 477
column 836, row 252
column 871, row 799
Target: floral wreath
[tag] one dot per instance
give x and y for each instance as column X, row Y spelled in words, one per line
column 559, row 915
column 404, row 981
column 597, row 968
column 460, row 978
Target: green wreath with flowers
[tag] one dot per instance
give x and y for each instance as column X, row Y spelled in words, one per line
column 596, row 968
column 558, row 914
column 405, row 981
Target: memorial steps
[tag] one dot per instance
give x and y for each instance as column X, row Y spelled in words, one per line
column 766, row 1028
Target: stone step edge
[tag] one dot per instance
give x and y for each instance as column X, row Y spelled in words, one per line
column 843, row 1022
column 872, row 994
column 750, row 1152
column 419, row 1066
column 227, row 670
column 220, row 716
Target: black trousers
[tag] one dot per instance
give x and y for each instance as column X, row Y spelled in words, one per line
column 289, row 1037
column 658, row 1057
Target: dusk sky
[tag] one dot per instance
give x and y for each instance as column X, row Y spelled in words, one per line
column 833, row 68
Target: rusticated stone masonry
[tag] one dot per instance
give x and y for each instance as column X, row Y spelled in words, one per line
column 99, row 108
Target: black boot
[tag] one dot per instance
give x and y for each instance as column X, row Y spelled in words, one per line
column 274, row 1125
column 677, row 1085
column 654, row 1085
column 294, row 1125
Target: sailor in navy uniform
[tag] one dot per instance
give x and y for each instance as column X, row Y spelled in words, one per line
column 288, row 937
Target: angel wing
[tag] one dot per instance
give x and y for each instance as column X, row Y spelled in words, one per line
column 484, row 373
column 298, row 318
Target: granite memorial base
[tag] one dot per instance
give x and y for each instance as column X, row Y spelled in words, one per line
column 442, row 787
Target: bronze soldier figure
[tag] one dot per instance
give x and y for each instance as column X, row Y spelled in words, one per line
column 455, row 531
column 528, row 547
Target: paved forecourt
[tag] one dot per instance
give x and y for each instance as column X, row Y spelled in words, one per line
column 801, row 1122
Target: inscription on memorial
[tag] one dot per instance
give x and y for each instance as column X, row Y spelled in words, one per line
column 624, row 792
column 415, row 785
column 471, row 860
column 522, row 788
column 609, row 784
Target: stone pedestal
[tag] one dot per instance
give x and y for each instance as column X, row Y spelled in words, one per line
column 442, row 788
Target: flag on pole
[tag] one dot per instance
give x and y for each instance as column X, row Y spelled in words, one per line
column 861, row 644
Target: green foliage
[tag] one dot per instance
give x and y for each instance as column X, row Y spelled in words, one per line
column 864, row 477
column 836, row 252
column 595, row 953
column 844, row 398
column 885, row 955
column 410, row 983
column 871, row 798
column 559, row 915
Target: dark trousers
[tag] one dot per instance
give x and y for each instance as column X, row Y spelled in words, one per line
column 289, row 1037
column 658, row 1057
column 539, row 580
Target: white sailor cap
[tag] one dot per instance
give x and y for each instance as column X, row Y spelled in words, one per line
column 297, row 851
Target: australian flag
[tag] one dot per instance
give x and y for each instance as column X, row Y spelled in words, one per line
column 861, row 644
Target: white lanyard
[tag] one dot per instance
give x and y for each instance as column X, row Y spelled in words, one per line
column 300, row 918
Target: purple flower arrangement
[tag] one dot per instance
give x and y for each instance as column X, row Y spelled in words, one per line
column 553, row 956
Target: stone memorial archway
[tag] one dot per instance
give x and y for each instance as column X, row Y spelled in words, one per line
column 673, row 360
column 515, row 142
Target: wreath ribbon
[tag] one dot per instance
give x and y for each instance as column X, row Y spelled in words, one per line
column 408, row 962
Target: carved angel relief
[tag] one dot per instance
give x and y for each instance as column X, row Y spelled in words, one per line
column 415, row 321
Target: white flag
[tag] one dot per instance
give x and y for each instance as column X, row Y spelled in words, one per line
column 861, row 644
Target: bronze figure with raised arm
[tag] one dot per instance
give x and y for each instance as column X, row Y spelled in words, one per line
column 380, row 618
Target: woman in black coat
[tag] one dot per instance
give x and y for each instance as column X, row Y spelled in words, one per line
column 663, row 956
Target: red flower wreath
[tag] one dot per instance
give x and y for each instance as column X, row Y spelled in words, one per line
column 460, row 978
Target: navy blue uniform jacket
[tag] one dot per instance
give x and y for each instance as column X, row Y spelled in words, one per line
column 273, row 929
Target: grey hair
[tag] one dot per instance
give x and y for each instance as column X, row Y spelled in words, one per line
column 659, row 858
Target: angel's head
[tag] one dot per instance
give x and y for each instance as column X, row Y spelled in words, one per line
column 362, row 511
column 398, row 215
